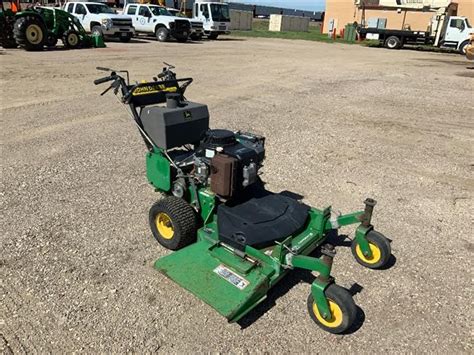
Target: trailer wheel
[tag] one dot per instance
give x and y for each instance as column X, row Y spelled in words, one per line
column 162, row 34
column 393, row 42
column 71, row 39
column 463, row 47
column 342, row 307
column 173, row 223
column 30, row 33
column 380, row 248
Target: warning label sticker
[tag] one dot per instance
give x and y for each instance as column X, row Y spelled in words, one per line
column 232, row 277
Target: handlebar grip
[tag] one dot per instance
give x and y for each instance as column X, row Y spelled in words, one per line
column 104, row 80
column 162, row 75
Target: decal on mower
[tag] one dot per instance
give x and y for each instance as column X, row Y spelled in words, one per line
column 231, row 277
column 152, row 89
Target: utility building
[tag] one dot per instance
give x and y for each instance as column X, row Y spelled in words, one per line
column 341, row 12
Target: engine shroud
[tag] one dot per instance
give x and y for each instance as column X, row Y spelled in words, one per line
column 234, row 159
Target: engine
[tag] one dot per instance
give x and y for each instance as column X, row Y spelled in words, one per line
column 230, row 160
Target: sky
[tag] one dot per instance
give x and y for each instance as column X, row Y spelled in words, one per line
column 311, row 5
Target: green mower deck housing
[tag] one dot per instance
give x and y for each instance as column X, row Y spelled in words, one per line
column 232, row 239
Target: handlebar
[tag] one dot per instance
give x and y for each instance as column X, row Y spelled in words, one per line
column 105, row 79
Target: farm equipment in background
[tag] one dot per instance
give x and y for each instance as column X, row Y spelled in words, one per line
column 37, row 27
column 234, row 239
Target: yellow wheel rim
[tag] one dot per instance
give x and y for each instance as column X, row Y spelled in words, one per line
column 376, row 254
column 336, row 315
column 164, row 225
column 34, row 34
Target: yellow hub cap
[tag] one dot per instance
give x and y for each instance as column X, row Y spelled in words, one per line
column 34, row 35
column 164, row 225
column 376, row 254
column 336, row 315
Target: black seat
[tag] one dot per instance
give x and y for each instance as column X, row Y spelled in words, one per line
column 260, row 221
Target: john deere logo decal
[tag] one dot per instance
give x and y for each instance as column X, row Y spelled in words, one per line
column 152, row 89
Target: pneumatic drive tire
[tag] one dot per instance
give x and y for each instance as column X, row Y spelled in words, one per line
column 30, row 33
column 342, row 307
column 380, row 248
column 71, row 39
column 173, row 223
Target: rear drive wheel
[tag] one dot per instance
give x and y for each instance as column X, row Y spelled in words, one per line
column 380, row 248
column 393, row 42
column 213, row 35
column 30, row 33
column 342, row 307
column 173, row 223
column 71, row 39
column 162, row 34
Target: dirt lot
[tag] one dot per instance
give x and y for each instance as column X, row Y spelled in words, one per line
column 342, row 123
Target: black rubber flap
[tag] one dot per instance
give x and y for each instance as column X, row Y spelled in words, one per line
column 260, row 221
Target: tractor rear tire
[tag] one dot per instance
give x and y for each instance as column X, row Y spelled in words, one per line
column 71, row 39
column 342, row 307
column 30, row 33
column 162, row 34
column 173, row 223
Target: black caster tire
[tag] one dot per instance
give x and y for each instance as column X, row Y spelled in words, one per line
column 173, row 223
column 342, row 306
column 380, row 247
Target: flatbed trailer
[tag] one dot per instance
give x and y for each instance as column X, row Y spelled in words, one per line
column 396, row 39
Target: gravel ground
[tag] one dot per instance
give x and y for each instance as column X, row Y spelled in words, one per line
column 342, row 123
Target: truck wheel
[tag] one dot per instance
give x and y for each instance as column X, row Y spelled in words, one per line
column 195, row 37
column 125, row 39
column 97, row 31
column 30, row 33
column 173, row 223
column 213, row 35
column 71, row 39
column 393, row 42
column 162, row 34
column 463, row 47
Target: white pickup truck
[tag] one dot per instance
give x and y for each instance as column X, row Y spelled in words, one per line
column 157, row 20
column 100, row 19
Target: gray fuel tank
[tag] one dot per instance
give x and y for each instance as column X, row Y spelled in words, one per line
column 171, row 127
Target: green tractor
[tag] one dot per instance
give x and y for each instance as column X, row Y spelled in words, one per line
column 233, row 239
column 37, row 27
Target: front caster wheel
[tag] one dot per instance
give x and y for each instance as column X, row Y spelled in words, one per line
column 380, row 248
column 342, row 307
column 173, row 223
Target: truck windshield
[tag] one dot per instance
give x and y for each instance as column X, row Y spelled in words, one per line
column 160, row 11
column 220, row 12
column 99, row 9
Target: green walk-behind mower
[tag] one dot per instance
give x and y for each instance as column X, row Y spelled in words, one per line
column 37, row 27
column 233, row 239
